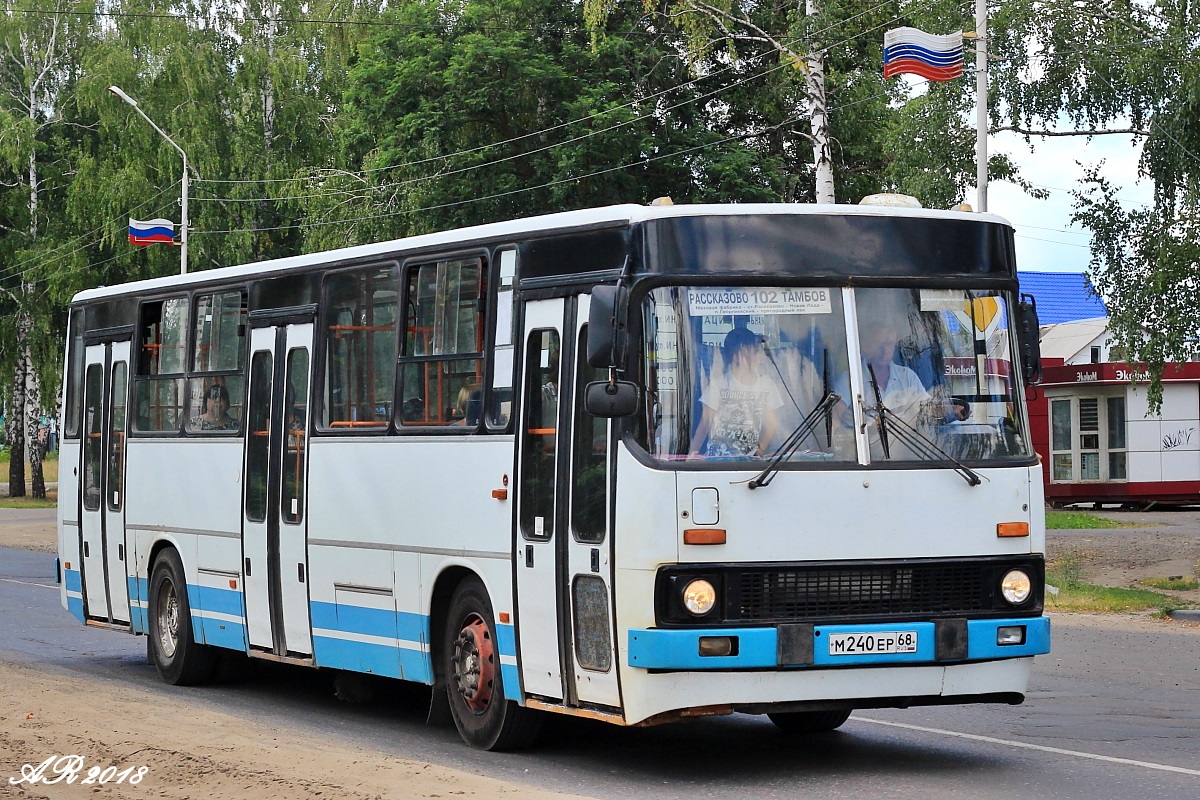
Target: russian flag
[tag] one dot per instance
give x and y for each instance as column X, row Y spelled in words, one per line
column 151, row 231
column 937, row 58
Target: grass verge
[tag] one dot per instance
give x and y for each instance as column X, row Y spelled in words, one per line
column 1077, row 596
column 1174, row 584
column 49, row 467
column 1075, row 520
column 28, row 502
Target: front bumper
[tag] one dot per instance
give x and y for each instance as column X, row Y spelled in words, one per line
column 806, row 646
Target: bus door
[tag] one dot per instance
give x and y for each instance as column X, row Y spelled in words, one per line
column 102, row 516
column 274, row 525
column 564, row 573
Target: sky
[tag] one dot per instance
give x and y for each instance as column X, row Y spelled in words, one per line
column 1045, row 238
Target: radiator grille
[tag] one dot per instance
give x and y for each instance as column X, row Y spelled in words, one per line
column 822, row 592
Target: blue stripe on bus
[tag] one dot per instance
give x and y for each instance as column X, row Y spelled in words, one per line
column 75, row 607
column 137, row 621
column 219, row 601
column 757, row 647
column 506, row 640
column 219, row 633
column 510, row 678
column 389, row 624
column 376, row 659
column 74, row 580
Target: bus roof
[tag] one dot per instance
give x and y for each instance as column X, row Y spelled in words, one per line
column 564, row 221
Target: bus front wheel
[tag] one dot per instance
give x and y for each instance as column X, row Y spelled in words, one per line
column 801, row 722
column 485, row 718
column 179, row 659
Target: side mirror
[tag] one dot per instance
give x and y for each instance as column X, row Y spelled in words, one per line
column 1028, row 339
column 604, row 342
column 615, row 399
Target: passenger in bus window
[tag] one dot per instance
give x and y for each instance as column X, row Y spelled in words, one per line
column 214, row 412
column 468, row 405
column 740, row 404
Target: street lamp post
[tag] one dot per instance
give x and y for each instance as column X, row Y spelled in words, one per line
column 183, row 237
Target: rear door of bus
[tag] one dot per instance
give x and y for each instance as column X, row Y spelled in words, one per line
column 102, row 512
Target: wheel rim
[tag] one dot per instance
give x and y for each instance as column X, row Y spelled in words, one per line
column 475, row 664
column 168, row 618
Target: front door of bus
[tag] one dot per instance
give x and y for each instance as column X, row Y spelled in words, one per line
column 274, row 527
column 564, row 572
column 102, row 512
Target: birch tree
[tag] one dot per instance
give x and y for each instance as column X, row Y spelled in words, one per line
column 36, row 76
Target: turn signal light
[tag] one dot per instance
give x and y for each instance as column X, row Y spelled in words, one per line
column 704, row 536
column 1012, row 529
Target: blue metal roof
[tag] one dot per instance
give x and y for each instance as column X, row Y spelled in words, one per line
column 1062, row 296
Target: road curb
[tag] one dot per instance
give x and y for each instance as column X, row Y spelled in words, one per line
column 1185, row 615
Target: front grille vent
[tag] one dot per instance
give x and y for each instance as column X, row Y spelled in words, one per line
column 826, row 591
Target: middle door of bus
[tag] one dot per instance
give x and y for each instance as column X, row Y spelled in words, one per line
column 564, row 609
column 274, row 524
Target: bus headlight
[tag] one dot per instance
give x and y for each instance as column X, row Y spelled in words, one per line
column 1016, row 586
column 699, row 597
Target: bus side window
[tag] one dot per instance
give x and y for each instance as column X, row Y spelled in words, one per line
column 539, row 436
column 360, row 357
column 442, row 362
column 74, row 379
column 589, row 470
column 503, row 348
column 215, row 394
column 161, row 363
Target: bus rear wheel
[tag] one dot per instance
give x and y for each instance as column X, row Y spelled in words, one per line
column 802, row 722
column 172, row 647
column 485, row 718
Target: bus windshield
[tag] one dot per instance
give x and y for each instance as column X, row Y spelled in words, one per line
column 754, row 373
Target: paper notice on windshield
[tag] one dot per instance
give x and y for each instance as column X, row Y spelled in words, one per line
column 760, row 300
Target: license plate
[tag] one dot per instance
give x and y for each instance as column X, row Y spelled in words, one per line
column 875, row 643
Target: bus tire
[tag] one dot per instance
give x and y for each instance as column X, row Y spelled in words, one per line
column 485, row 718
column 180, row 661
column 802, row 722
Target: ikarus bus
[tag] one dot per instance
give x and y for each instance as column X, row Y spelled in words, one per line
column 635, row 463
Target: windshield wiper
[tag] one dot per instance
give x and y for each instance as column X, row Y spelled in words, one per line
column 913, row 439
column 883, row 431
column 792, row 442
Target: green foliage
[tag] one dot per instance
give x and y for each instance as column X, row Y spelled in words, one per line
column 1120, row 65
column 466, row 114
column 441, row 113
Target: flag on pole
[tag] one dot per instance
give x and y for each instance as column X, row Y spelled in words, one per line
column 937, row 58
column 151, row 231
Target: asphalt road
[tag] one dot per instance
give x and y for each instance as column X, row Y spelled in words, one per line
column 1113, row 712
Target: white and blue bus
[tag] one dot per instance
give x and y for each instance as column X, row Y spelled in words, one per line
column 612, row 463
